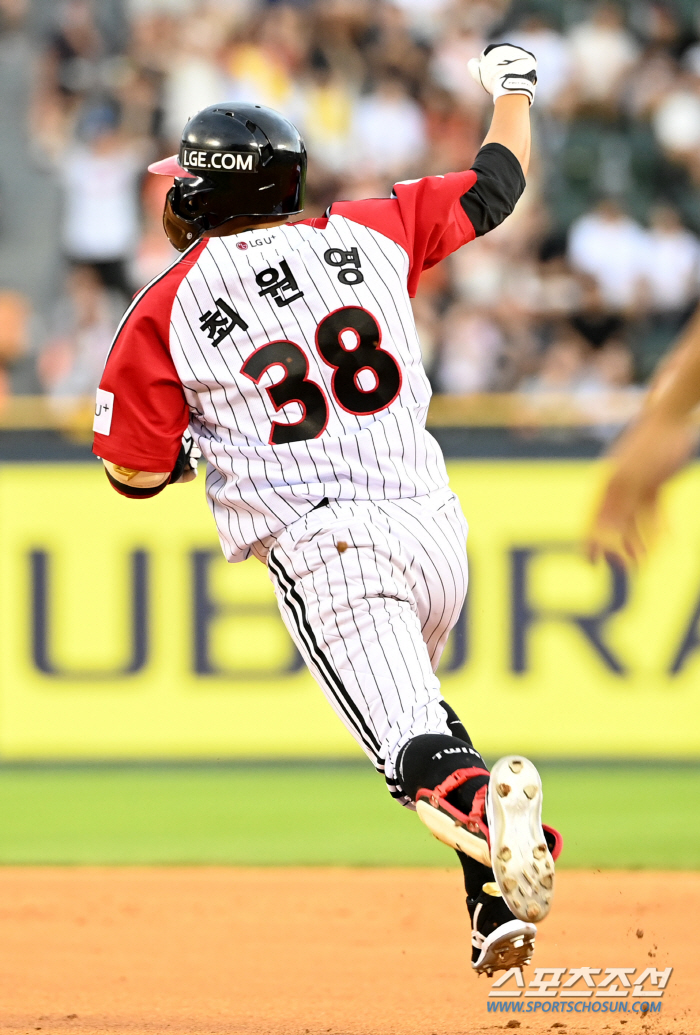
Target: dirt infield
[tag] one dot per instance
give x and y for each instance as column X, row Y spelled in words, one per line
column 305, row 951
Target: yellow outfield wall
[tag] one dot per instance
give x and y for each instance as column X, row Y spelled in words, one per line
column 124, row 634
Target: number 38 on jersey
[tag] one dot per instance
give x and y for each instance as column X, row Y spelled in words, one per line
column 365, row 379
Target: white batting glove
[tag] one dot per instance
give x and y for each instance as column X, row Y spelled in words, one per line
column 186, row 466
column 504, row 69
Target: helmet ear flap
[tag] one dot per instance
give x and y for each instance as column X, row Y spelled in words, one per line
column 180, row 232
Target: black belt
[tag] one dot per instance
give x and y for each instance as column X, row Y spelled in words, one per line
column 324, row 503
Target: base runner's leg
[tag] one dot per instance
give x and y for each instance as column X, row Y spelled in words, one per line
column 494, row 823
column 347, row 592
column 501, row 830
column 369, row 593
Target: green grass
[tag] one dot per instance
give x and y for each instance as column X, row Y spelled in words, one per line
column 611, row 816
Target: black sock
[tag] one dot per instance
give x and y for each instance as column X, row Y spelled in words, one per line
column 475, row 875
column 421, row 760
column 455, row 724
column 430, row 758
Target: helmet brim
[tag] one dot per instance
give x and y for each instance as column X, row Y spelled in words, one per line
column 171, row 167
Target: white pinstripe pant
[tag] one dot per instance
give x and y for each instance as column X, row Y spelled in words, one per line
column 369, row 592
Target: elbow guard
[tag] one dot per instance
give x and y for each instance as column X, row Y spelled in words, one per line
column 499, row 184
column 135, row 492
column 184, row 470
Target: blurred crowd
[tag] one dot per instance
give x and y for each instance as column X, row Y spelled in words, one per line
column 581, row 290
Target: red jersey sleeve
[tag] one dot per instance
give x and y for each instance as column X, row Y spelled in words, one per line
column 141, row 412
column 424, row 216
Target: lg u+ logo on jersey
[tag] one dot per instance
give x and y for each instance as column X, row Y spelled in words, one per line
column 257, row 243
column 218, row 161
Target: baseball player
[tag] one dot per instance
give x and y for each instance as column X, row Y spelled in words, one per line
column 649, row 453
column 287, row 353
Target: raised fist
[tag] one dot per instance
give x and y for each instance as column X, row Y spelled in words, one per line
column 504, row 69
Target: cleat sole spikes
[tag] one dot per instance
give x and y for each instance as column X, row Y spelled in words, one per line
column 522, row 864
column 510, row 945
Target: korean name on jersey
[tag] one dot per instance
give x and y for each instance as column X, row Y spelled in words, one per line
column 293, row 355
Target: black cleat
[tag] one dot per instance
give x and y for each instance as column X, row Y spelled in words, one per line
column 499, row 940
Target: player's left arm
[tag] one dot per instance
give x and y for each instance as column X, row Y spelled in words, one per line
column 142, row 417
column 143, row 484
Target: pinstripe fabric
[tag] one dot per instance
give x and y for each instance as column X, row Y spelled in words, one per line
column 255, row 488
column 251, row 329
column 371, row 618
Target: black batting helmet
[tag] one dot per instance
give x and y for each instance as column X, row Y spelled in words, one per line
column 234, row 160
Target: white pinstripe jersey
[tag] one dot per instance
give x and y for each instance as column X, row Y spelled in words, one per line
column 293, row 355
